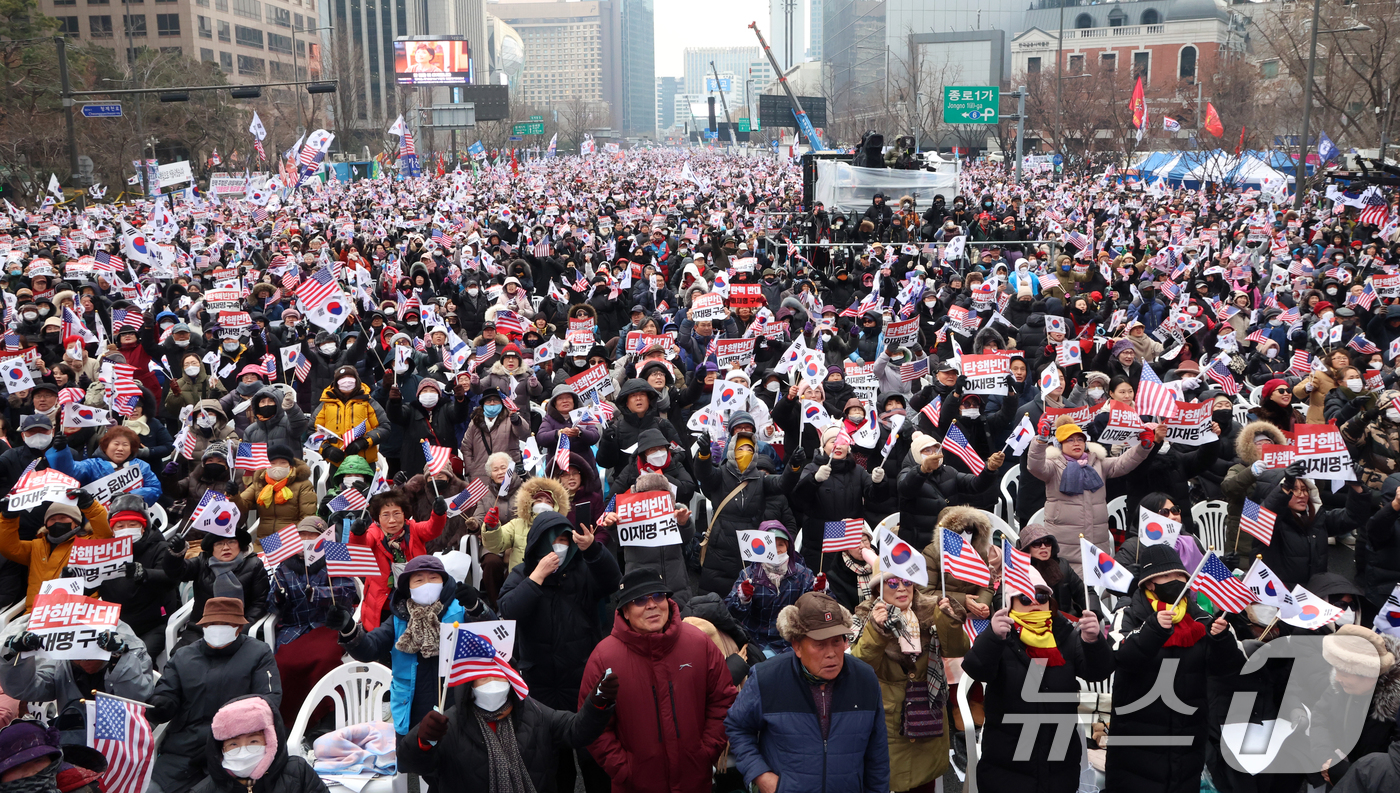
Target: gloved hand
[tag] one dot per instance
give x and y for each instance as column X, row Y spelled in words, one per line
column 819, row 583
column 170, row 467
column 702, row 443
column 1291, row 474
column 112, row 642
column 83, row 497
column 1309, row 387
column 1148, row 437
column 143, row 453
column 878, row 475
column 492, row 519
column 606, row 693
column 60, row 441
column 1001, row 623
column 823, row 472
column 515, row 419
column 334, row 454
column 360, row 526
column 178, row 546
column 136, row 572
column 468, row 596
column 745, row 591
column 7, row 513
column 798, row 459
column 231, row 489
column 1046, row 426
column 24, row 642
column 1258, row 468
column 432, row 727
column 440, row 506
column 401, row 478
column 340, row 618
column 356, row 446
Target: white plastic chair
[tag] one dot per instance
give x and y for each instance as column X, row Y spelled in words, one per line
column 1118, row 515
column 11, row 614
column 999, row 524
column 1254, row 395
column 1209, row 517
column 360, row 693
column 974, row 745
column 1241, row 414
column 1010, row 485
column 890, row 522
column 320, row 476
column 266, row 630
column 1038, row 517
column 173, row 626
column 159, row 520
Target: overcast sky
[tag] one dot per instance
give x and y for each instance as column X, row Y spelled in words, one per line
column 714, row 23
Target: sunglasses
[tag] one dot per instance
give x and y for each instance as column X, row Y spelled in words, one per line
column 1170, row 511
column 646, row 600
column 1040, row 597
column 898, row 583
column 1041, row 543
column 1280, row 390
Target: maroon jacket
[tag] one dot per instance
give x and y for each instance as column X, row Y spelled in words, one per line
column 674, row 682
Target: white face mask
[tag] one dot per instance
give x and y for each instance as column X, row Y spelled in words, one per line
column 345, row 384
column 1272, row 352
column 473, row 291
column 1354, row 385
column 192, row 371
column 773, row 386
column 241, row 761
column 328, row 349
column 352, row 481
column 205, row 420
column 181, row 342
column 1096, row 393
column 540, row 507
column 230, row 346
column 38, row 441
column 1347, row 617
column 428, row 398
column 491, row 695
column 778, row 561
column 560, row 549
column 1373, row 365
column 132, row 533
column 219, row 635
column 426, row 593
column 658, row 458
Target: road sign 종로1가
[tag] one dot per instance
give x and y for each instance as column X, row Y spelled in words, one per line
column 744, row 125
column 971, row 104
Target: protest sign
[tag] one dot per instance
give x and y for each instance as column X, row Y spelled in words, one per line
column 861, row 378
column 123, row 480
column 903, row 332
column 96, row 561
column 70, row 624
column 647, row 520
column 1124, row 424
column 1191, row 424
column 1323, row 452
column 745, row 295
column 38, row 488
column 731, row 351
column 986, row 374
column 707, row 307
column 580, row 342
column 216, row 300
column 582, row 325
column 1080, row 416
column 1386, row 285
column 1276, row 455
column 592, row 378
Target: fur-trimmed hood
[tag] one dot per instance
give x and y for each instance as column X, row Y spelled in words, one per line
column 1244, row 442
column 970, row 520
column 985, row 336
column 525, row 496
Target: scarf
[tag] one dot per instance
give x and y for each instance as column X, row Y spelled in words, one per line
column 1034, row 628
column 863, row 573
column 775, row 573
column 1185, row 632
column 506, row 769
column 137, row 425
column 275, row 491
column 422, row 634
column 46, row 781
column 1079, row 476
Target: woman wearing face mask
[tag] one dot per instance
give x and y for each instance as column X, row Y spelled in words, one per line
column 232, row 350
column 395, row 539
column 1031, row 632
column 147, row 595
column 656, row 455
column 833, row 487
column 281, row 493
column 307, row 649
column 226, row 567
column 557, row 421
column 905, row 635
column 192, row 385
column 118, row 449
column 1265, row 363
column 345, row 404
column 326, row 354
column 1349, row 397
column 764, row 588
column 247, row 752
column 1163, row 622
column 185, row 698
column 47, row 554
column 506, row 532
column 493, row 428
column 433, row 419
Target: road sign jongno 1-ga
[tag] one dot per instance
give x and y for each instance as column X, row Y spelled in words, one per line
column 971, row 104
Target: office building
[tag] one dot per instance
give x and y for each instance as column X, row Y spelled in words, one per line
column 903, row 17
column 853, row 48
column 573, row 53
column 667, row 88
column 252, row 41
column 814, row 30
column 638, row 67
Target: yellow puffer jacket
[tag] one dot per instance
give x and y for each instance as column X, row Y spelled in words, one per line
column 46, row 561
column 340, row 414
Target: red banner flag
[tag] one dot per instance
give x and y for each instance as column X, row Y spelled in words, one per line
column 1212, row 123
column 1139, row 106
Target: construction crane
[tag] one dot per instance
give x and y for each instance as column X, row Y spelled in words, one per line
column 733, row 141
column 802, row 121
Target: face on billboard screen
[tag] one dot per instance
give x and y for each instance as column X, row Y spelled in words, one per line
column 431, row 62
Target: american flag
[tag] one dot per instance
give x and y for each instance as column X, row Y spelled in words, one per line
column 1224, row 590
column 1220, row 373
column 281, row 546
column 11, row 340
column 251, row 457
column 349, row 500
column 961, row 561
column 186, row 442
column 119, row 730
column 1048, row 281
column 317, row 289
column 1077, row 240
column 71, row 395
column 956, row 443
column 1366, row 299
column 439, row 458
column 509, row 322
column 842, row 535
column 1362, row 345
column 486, row 350
column 1289, row 316
column 1016, row 566
column 1301, row 364
column 302, row 363
column 1154, row 398
column 354, row 433
column 1259, row 522
column 973, row 627
column 269, row 365
column 465, row 500
column 474, row 657
column 350, row 560
column 909, row 372
column 932, row 409
column 1376, row 209
column 1258, row 337
column 406, row 148
column 109, row 262
column 291, row 278
column 561, row 454
column 122, row 318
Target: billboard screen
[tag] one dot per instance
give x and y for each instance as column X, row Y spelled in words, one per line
column 432, row 62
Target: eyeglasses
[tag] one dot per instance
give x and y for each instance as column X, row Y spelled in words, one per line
column 1280, row 390
column 1040, row 597
column 1169, row 511
column 646, row 600
column 898, row 583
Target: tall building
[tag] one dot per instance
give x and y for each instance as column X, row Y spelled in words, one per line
column 251, row 41
column 853, row 47
column 667, row 88
column 787, row 31
column 573, row 51
column 726, row 59
column 638, row 67
column 903, row 17
column 814, row 30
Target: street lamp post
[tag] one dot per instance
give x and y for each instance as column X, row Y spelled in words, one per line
column 1301, row 169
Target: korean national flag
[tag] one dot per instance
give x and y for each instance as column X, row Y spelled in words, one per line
column 1050, row 379
column 17, row 375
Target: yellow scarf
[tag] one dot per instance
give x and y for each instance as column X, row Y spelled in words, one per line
column 1035, row 628
column 1177, row 613
column 743, row 455
column 276, row 491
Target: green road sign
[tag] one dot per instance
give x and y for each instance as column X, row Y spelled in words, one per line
column 537, row 118
column 744, row 125
column 971, row 104
column 534, row 128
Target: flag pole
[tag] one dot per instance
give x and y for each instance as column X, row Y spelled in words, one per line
column 1209, row 550
column 95, row 692
column 942, row 556
column 1086, row 578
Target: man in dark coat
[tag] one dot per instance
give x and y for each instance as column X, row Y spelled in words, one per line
column 926, row 486
column 146, row 593
column 431, row 417
column 636, row 413
column 832, row 488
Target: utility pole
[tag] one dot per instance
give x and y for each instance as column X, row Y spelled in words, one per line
column 67, row 94
column 1301, row 170
column 1020, row 95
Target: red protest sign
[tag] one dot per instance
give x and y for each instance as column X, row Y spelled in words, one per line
column 61, row 610
column 745, row 295
column 594, row 377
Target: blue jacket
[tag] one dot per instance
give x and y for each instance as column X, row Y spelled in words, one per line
column 1149, row 314
column 94, row 468
column 759, row 616
column 773, row 726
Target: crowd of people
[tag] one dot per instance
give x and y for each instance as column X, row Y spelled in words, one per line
column 744, row 494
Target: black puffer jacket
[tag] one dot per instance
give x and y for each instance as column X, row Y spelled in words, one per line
column 540, row 733
column 1138, row 661
column 922, row 496
column 415, row 424
column 284, row 428
column 145, row 605
column 249, row 570
column 842, row 495
column 557, row 621
column 1298, row 549
column 286, row 774
column 1379, row 546
column 1170, row 472
column 197, row 681
column 761, row 499
column 627, row 428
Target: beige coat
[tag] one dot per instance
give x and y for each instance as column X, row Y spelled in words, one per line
column 1322, row 384
column 1068, row 516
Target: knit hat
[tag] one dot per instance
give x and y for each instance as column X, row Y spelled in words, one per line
column 60, row 508
column 23, row 741
column 311, row 524
column 651, row 481
column 829, row 434
column 1122, row 345
column 638, row 582
column 281, row 451
column 1358, row 651
column 128, row 506
column 1154, row 560
column 510, row 349
column 215, row 449
column 1322, row 305
column 919, row 443
column 428, row 382
column 245, row 715
column 1270, row 387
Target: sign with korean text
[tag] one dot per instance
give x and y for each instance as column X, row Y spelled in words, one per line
column 740, row 351
column 223, row 300
column 591, row 379
column 70, row 624
column 903, row 332
column 123, row 480
column 1323, row 453
column 861, row 378
column 971, row 104
column 38, row 488
column 1191, row 424
column 707, row 307
column 745, row 295
column 1080, row 416
column 96, row 561
column 580, row 342
column 1276, row 455
column 1386, row 285
column 986, row 374
column 583, row 325
column 1124, row 424
column 647, row 520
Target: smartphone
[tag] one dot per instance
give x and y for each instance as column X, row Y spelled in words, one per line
column 583, row 512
